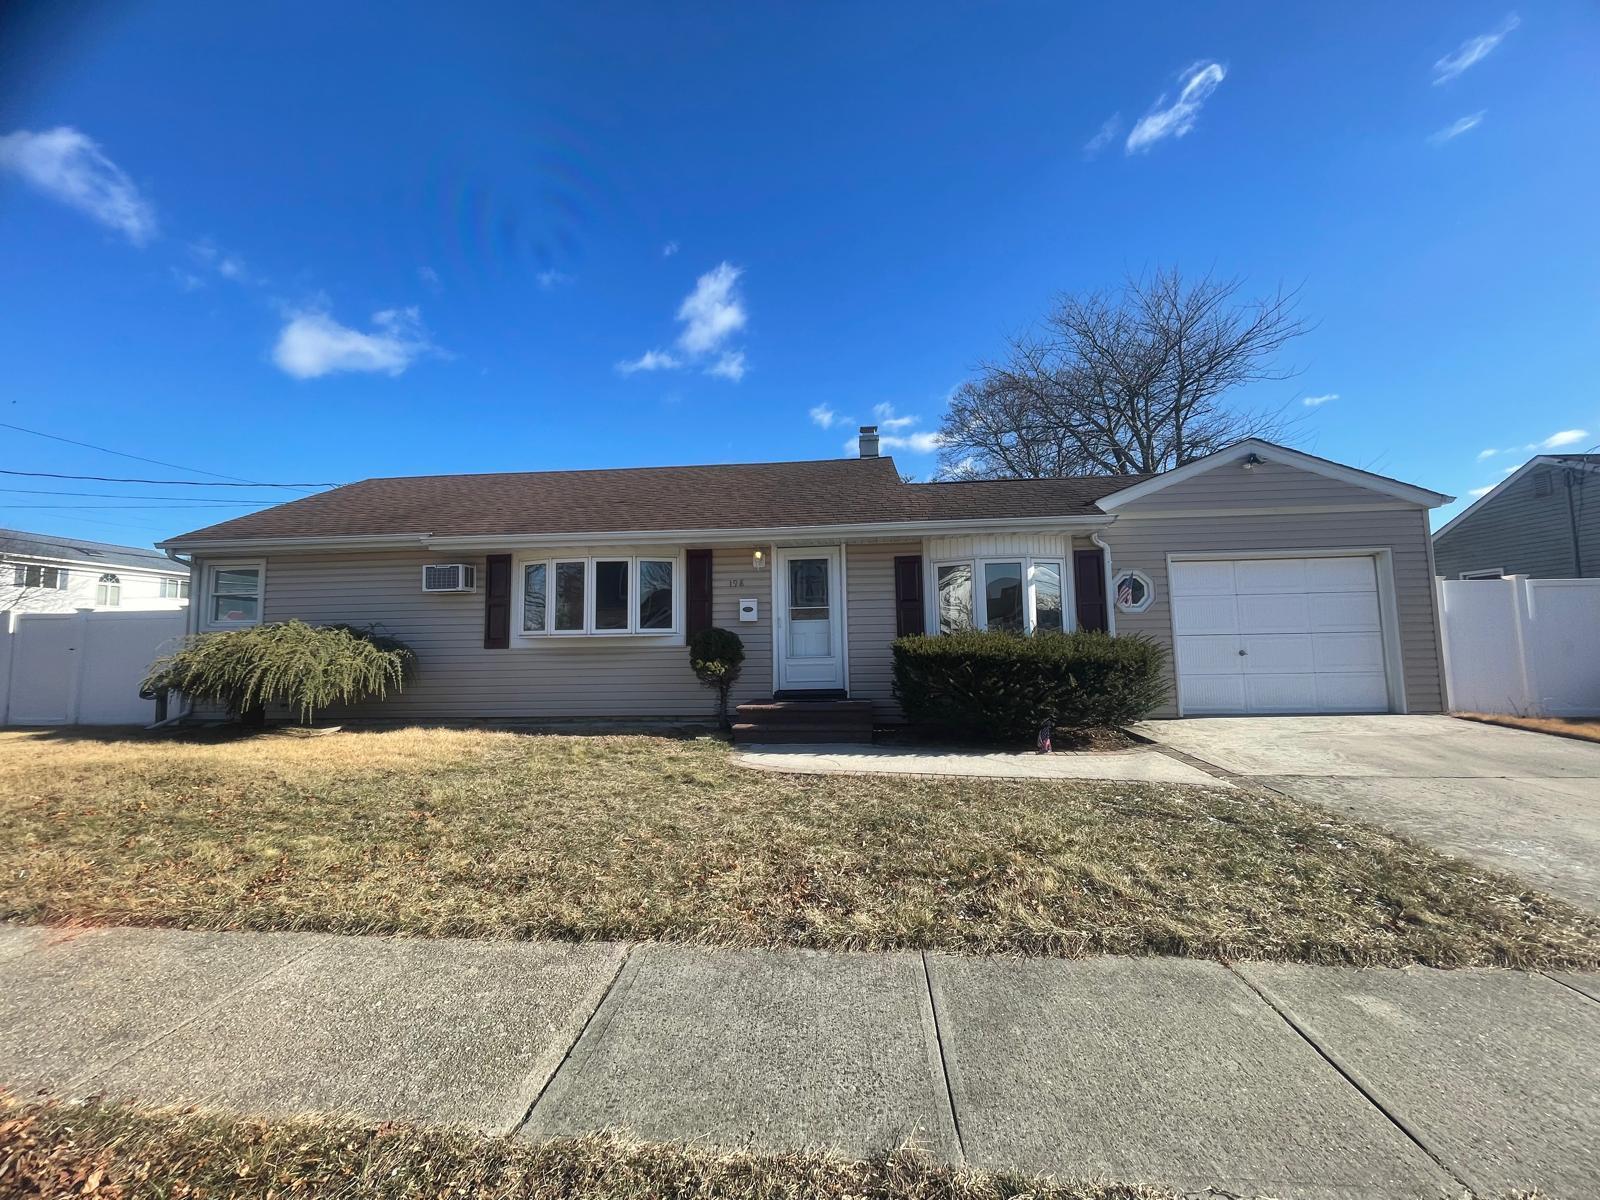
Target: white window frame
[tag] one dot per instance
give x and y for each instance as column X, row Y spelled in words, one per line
column 1149, row 591
column 1495, row 573
column 980, row 600
column 108, row 590
column 59, row 583
column 528, row 637
column 208, row 592
column 180, row 588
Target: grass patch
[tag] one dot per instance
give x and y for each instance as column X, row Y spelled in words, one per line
column 116, row 1152
column 1585, row 729
column 475, row 833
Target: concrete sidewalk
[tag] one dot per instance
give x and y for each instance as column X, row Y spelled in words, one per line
column 1138, row 765
column 1268, row 1079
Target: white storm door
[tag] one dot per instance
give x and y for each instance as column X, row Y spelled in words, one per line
column 810, row 629
column 1279, row 635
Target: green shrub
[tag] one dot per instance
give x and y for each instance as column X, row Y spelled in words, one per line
column 717, row 656
column 303, row 666
column 1003, row 687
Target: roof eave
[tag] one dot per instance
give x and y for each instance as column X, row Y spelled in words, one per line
column 724, row 536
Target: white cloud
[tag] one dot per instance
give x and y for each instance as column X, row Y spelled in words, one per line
column 313, row 344
column 1456, row 129
column 669, row 249
column 210, row 257
column 1107, row 134
column 70, row 167
column 429, row 277
column 713, row 311
column 551, row 279
column 825, row 417
column 729, row 366
column 887, row 419
column 1319, row 401
column 650, row 360
column 1197, row 83
column 187, row 280
column 1565, row 437
column 1511, row 470
column 1489, row 453
column 917, row 443
column 1472, row 51
column 1483, row 491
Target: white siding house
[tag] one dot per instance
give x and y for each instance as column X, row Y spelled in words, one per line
column 49, row 573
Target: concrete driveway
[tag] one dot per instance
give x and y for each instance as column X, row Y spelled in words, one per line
column 1527, row 803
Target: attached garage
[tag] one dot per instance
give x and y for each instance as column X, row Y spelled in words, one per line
column 1283, row 633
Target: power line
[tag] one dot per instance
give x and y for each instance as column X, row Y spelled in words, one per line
column 173, row 482
column 111, row 495
column 137, row 458
column 212, row 504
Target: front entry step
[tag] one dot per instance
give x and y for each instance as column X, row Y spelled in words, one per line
column 804, row 721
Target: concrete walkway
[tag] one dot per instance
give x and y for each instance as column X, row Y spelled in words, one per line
column 1133, row 766
column 1282, row 1080
column 1523, row 802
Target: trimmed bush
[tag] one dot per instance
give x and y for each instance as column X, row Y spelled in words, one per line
column 717, row 656
column 1003, row 687
column 304, row 666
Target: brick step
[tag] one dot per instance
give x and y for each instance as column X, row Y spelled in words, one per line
column 813, row 735
column 807, row 710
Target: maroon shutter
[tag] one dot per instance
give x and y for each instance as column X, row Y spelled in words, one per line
column 497, row 602
column 699, row 603
column 908, row 609
column 1089, row 588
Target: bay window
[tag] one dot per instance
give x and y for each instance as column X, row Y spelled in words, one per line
column 1019, row 595
column 603, row 596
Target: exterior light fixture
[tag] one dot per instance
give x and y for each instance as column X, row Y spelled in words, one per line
column 1252, row 461
column 758, row 560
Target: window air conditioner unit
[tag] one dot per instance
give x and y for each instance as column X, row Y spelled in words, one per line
column 449, row 577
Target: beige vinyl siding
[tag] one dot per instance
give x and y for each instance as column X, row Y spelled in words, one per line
column 1522, row 533
column 1267, row 485
column 556, row 677
column 869, row 595
column 1144, row 544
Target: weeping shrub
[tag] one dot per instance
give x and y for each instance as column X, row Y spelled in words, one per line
column 306, row 667
column 1002, row 686
column 717, row 656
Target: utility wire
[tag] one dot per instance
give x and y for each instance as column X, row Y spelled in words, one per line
column 174, row 482
column 139, row 458
column 212, row 504
column 113, row 495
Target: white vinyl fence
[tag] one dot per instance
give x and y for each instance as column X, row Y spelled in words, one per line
column 1520, row 645
column 81, row 668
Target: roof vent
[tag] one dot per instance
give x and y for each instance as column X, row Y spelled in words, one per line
column 869, row 441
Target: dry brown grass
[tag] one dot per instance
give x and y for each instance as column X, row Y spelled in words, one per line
column 116, row 1152
column 1586, row 729
column 475, row 833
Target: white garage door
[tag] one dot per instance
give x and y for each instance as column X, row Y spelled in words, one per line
column 1279, row 635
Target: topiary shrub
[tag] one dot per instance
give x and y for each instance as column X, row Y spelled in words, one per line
column 304, row 666
column 717, row 656
column 1004, row 687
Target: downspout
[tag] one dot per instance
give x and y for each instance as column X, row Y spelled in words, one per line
column 187, row 709
column 1111, row 607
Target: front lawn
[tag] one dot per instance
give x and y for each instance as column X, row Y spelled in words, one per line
column 118, row 1152
column 1585, row 729
column 476, row 833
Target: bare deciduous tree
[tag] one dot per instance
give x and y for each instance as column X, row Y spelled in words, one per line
column 1123, row 383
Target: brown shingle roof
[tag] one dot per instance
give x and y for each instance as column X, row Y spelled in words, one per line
column 843, row 491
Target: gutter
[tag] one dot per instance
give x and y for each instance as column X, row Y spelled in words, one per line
column 577, row 537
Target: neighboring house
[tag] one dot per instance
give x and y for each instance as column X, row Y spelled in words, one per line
column 44, row 572
column 1284, row 582
column 1543, row 520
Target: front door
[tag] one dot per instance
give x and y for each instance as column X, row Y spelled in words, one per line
column 810, row 626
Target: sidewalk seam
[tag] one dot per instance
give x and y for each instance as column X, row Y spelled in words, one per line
column 89, row 1073
column 572, row 1047
column 1563, row 983
column 1350, row 1076
column 946, row 1068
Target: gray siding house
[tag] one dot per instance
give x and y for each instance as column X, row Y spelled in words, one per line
column 1542, row 521
column 1282, row 582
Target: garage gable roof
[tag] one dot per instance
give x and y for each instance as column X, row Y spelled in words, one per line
column 1272, row 452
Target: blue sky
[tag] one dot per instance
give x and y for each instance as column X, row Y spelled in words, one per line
column 323, row 242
